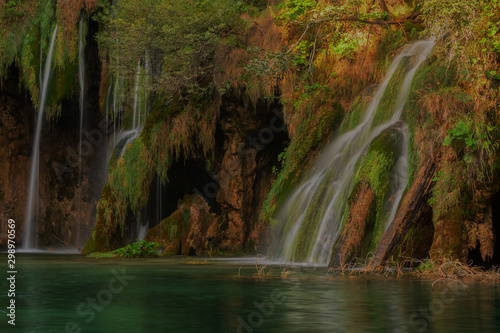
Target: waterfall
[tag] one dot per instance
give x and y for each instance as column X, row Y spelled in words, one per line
column 81, row 79
column 311, row 218
column 30, row 234
column 142, row 230
column 136, row 123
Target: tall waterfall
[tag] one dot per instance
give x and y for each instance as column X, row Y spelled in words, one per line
column 30, row 232
column 311, row 217
column 128, row 122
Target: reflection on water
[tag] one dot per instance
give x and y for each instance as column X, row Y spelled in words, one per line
column 71, row 293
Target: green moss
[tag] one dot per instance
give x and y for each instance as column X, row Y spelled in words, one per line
column 161, row 112
column 132, row 176
column 392, row 39
column 108, row 234
column 430, row 76
column 355, row 114
column 376, row 169
column 30, row 63
column 20, row 44
column 62, row 86
column 308, row 231
column 389, row 98
column 311, row 134
column 90, row 245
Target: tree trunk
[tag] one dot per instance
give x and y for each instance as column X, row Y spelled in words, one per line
column 384, row 7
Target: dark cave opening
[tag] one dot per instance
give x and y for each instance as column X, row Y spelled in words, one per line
column 495, row 219
column 184, row 178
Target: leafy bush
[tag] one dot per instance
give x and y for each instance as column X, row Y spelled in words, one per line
column 139, row 249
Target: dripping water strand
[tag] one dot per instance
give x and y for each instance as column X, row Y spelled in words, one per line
column 30, row 235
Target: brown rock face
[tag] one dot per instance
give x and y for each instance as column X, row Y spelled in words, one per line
column 408, row 214
column 417, row 242
column 244, row 175
column 355, row 239
column 15, row 147
column 66, row 210
column 450, row 237
column 190, row 230
column 482, row 234
column 235, row 195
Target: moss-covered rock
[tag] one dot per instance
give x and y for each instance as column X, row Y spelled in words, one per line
column 190, row 230
column 386, row 106
column 356, row 237
column 376, row 169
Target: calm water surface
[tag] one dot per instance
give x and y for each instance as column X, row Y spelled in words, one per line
column 76, row 294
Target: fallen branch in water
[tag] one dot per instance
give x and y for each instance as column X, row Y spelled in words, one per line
column 69, row 244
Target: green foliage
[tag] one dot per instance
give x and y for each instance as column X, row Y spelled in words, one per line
column 311, row 91
column 462, row 131
column 133, row 173
column 430, row 77
column 294, row 10
column 26, row 28
column 139, row 249
column 268, row 67
column 302, row 51
column 178, row 38
column 12, row 10
column 251, row 7
column 426, row 266
column 345, row 48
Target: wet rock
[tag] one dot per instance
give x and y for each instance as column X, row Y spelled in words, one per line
column 408, row 214
column 188, row 230
column 356, row 237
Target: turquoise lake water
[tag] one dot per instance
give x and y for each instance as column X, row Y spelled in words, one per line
column 61, row 293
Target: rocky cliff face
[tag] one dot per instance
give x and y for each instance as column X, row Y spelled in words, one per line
column 205, row 210
column 59, row 196
column 244, row 174
column 15, row 148
column 66, row 209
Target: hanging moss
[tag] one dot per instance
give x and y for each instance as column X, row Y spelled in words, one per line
column 161, row 112
column 30, row 63
column 132, row 176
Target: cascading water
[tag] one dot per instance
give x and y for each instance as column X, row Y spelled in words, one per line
column 311, row 218
column 30, row 235
column 136, row 118
column 128, row 121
